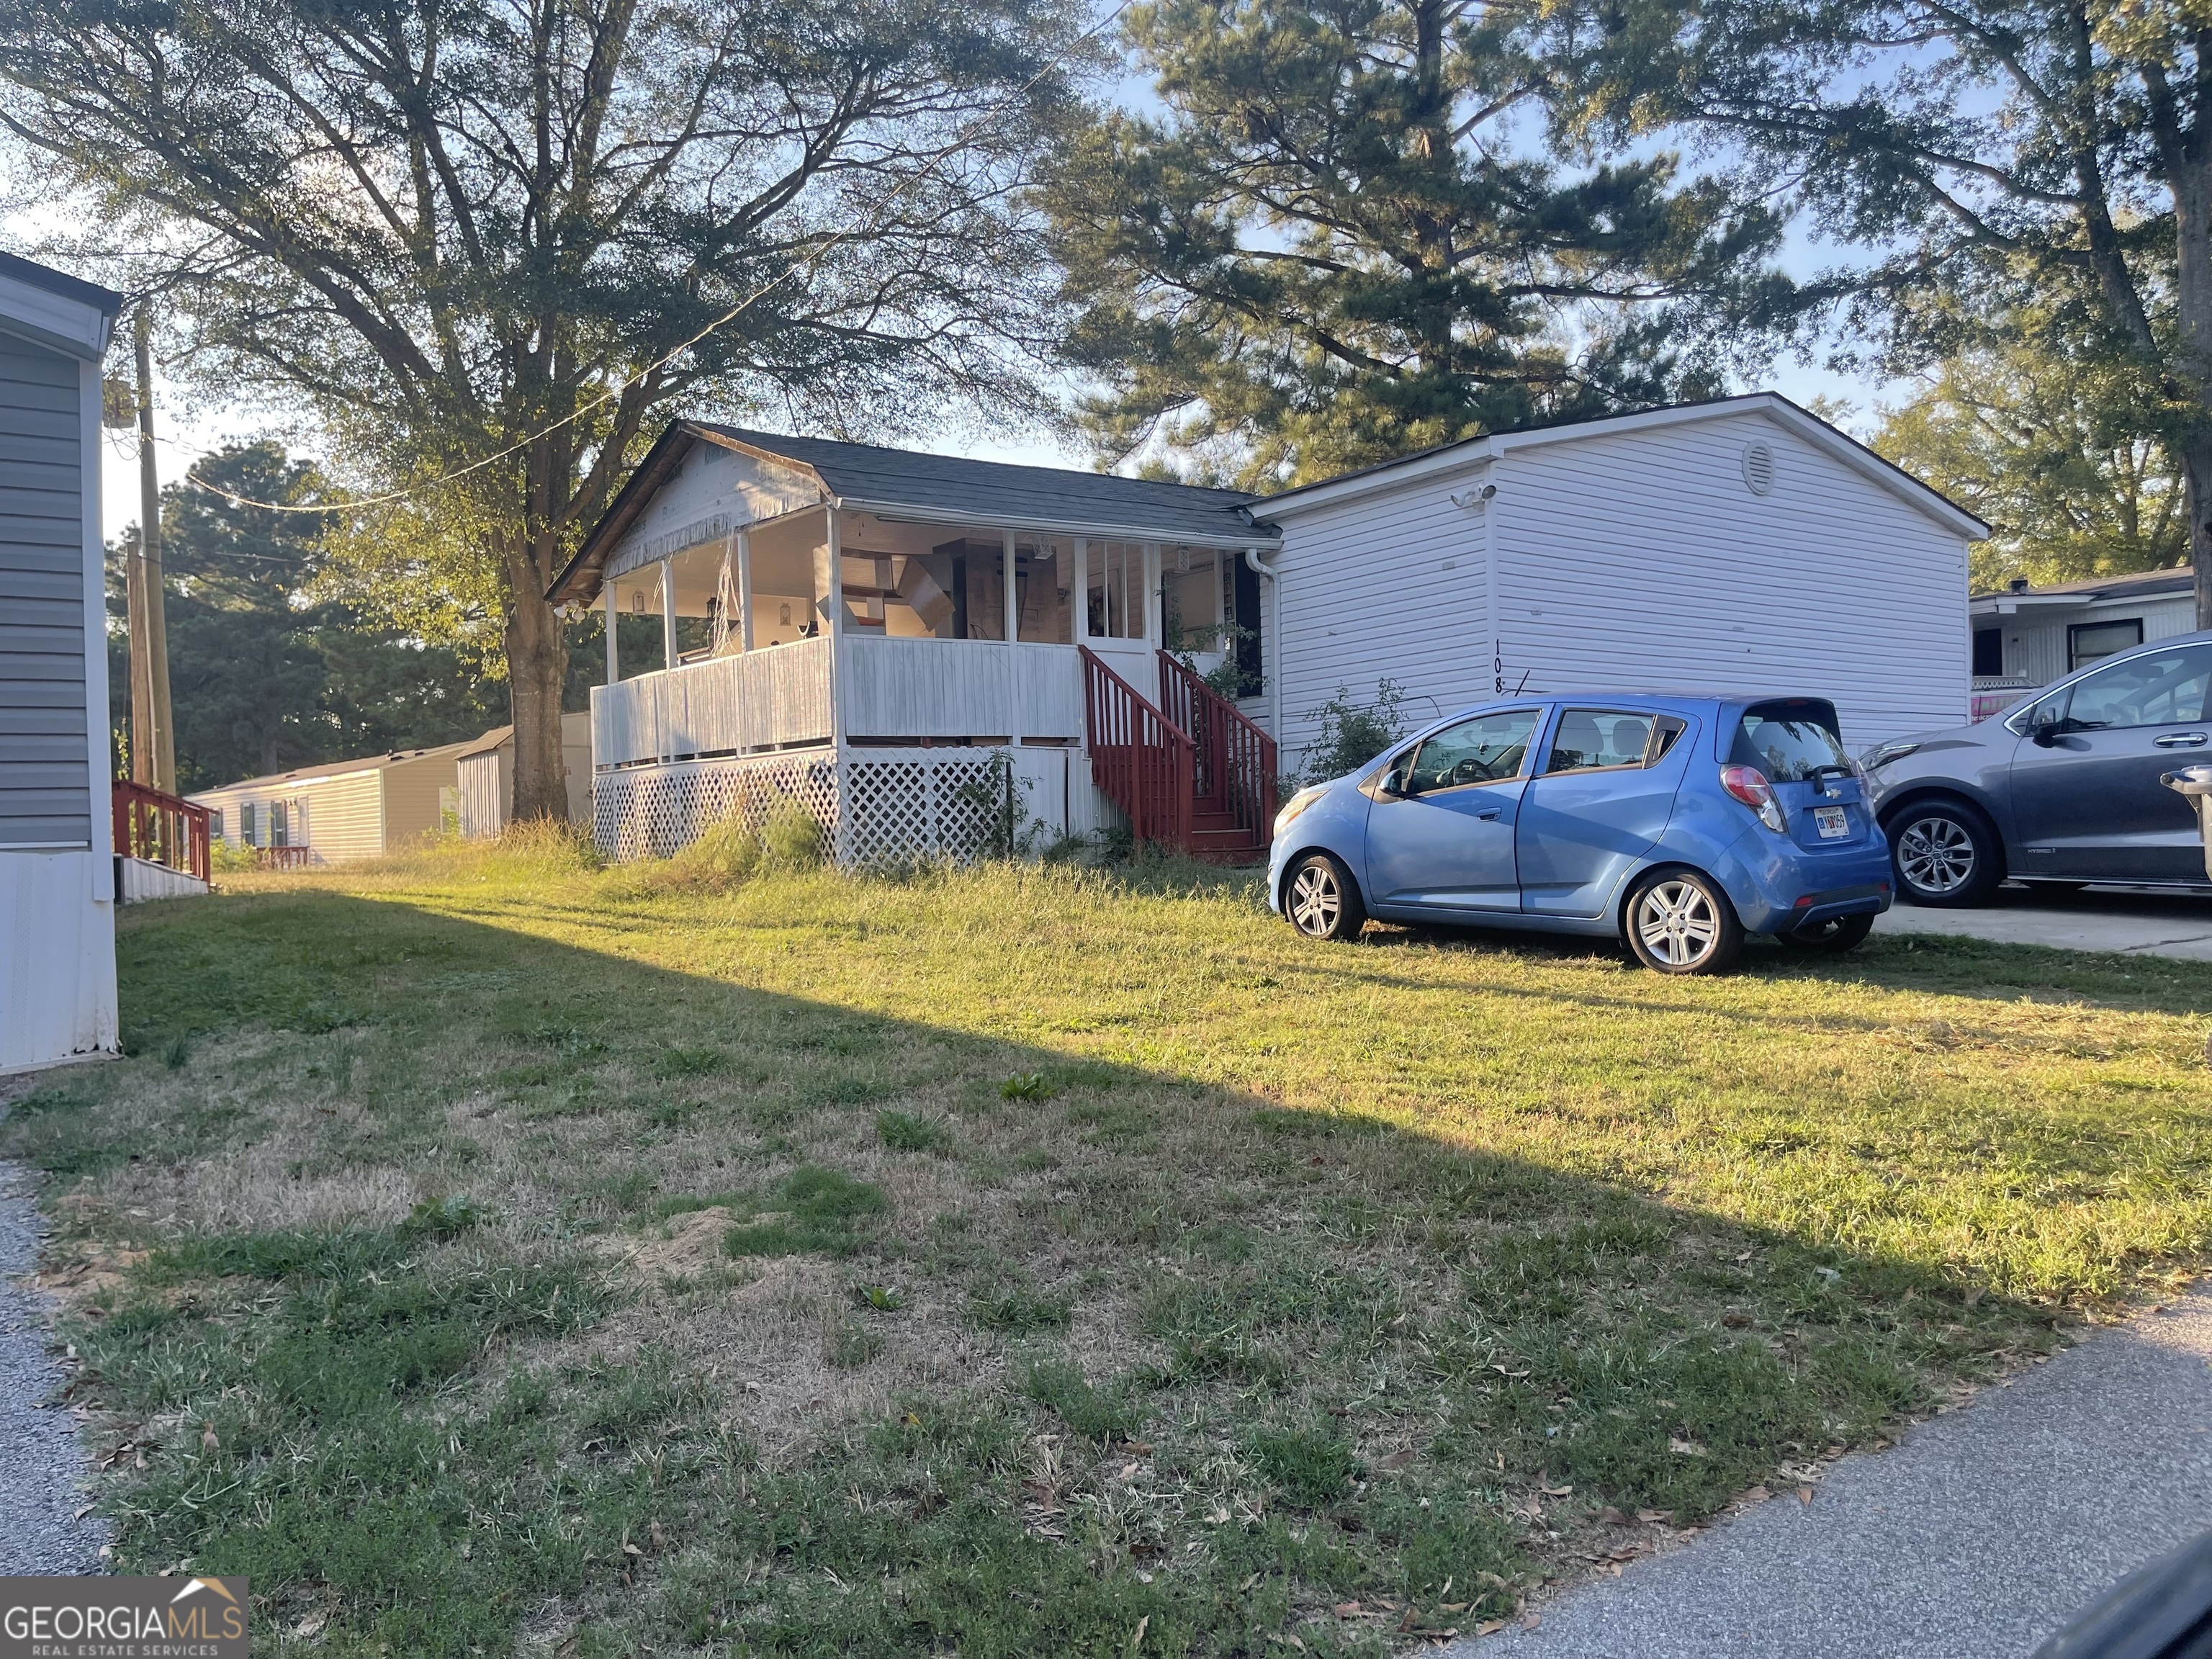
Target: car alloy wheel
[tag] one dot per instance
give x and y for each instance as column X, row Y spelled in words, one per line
column 1677, row 923
column 1321, row 901
column 1317, row 900
column 1936, row 854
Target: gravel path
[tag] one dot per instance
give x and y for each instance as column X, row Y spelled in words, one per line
column 1977, row 1538
column 41, row 1464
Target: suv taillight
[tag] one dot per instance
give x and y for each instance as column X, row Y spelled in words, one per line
column 1749, row 785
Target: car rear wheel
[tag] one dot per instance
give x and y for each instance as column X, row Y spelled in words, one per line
column 1680, row 922
column 1322, row 900
column 1945, row 855
column 1831, row 938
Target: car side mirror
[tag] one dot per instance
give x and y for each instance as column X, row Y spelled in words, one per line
column 1394, row 782
column 2048, row 733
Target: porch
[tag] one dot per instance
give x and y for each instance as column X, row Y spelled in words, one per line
column 921, row 679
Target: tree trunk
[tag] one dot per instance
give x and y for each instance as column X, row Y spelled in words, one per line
column 536, row 666
column 2196, row 502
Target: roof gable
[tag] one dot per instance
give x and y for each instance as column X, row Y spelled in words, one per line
column 1474, row 452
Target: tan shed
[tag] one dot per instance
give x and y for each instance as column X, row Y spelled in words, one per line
column 487, row 776
column 342, row 810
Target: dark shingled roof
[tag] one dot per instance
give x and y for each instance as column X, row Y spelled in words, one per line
column 2136, row 585
column 992, row 492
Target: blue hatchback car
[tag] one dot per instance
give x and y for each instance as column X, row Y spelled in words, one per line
column 1677, row 824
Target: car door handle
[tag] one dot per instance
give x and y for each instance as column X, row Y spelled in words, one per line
column 2180, row 740
column 1489, row 812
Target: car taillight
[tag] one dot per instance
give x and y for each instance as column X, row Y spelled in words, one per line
column 1749, row 785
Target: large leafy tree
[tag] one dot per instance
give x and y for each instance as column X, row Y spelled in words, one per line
column 1351, row 231
column 2000, row 157
column 273, row 664
column 493, row 237
column 2051, row 447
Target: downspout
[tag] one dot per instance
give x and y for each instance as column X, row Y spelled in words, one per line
column 1273, row 636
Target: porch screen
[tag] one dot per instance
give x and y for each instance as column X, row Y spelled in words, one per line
column 1190, row 598
column 1114, row 588
column 1044, row 576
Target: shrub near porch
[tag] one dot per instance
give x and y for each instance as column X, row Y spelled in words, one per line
column 487, row 1253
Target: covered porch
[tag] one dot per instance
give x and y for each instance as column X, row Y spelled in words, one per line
column 811, row 640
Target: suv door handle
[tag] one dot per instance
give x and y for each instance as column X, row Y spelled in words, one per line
column 2180, row 740
column 1490, row 812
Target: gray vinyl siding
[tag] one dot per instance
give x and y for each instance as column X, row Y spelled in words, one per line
column 45, row 793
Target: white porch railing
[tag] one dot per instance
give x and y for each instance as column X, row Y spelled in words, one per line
column 906, row 687
column 773, row 697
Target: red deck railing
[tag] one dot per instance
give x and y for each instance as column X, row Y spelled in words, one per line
column 1235, row 769
column 1145, row 764
column 284, row 858
column 160, row 828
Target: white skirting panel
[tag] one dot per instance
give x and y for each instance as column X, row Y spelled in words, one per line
column 876, row 806
column 56, row 959
column 142, row 878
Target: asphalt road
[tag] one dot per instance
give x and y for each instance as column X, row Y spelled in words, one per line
column 2095, row 919
column 1977, row 1537
column 41, row 1464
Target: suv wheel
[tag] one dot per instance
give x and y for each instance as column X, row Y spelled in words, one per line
column 1945, row 853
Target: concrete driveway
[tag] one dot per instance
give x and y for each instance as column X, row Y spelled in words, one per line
column 2124, row 919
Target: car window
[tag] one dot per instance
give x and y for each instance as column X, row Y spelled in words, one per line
column 2158, row 688
column 1591, row 738
column 1790, row 738
column 1481, row 751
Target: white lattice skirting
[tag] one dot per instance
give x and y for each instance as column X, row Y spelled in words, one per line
column 875, row 805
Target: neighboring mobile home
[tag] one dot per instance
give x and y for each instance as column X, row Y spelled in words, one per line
column 918, row 648
column 56, row 863
column 487, row 776
column 1741, row 544
column 340, row 811
column 2025, row 637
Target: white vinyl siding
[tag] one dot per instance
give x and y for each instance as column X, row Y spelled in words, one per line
column 1629, row 560
column 1641, row 560
column 2035, row 638
column 45, row 784
column 1365, row 596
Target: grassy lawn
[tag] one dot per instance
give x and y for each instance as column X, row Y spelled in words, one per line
column 490, row 1254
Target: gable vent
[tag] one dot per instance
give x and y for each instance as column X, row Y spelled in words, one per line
column 1758, row 468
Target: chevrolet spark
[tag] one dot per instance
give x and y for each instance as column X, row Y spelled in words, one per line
column 1676, row 824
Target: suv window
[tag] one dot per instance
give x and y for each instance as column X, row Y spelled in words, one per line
column 2158, row 688
column 1790, row 738
column 1483, row 749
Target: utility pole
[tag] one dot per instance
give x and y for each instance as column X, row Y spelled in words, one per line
column 150, row 729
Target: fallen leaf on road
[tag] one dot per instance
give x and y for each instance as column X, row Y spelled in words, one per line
column 1529, row 1621
column 1490, row 1627
column 1804, row 1494
column 1757, row 1495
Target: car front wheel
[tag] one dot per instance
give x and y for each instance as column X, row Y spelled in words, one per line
column 1945, row 855
column 1321, row 899
column 1680, row 922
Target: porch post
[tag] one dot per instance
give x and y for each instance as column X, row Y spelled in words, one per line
column 836, row 545
column 614, row 657
column 1152, row 559
column 1013, row 627
column 745, row 590
column 1079, row 593
column 668, row 613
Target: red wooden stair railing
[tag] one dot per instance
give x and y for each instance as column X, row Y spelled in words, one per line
column 1236, row 759
column 1146, row 765
column 160, row 828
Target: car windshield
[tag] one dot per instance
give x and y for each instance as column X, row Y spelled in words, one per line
column 1790, row 738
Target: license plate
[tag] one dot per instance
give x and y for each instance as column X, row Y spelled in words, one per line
column 1832, row 823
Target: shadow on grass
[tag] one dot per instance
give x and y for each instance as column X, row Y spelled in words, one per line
column 1362, row 1366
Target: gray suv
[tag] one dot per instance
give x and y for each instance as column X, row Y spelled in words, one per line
column 2063, row 791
